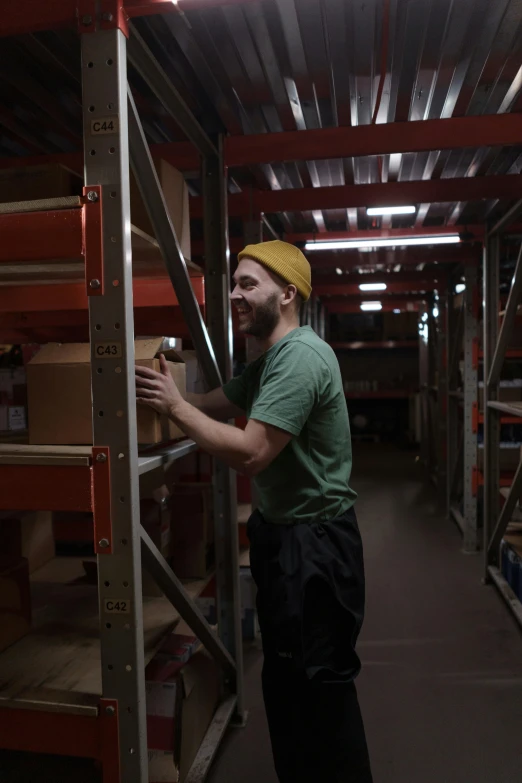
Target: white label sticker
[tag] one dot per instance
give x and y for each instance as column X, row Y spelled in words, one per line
column 117, row 606
column 108, row 350
column 104, row 126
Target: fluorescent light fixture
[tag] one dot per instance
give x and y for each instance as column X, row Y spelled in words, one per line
column 390, row 210
column 371, row 306
column 435, row 312
column 425, row 316
column 372, row 287
column 339, row 271
column 396, row 311
column 360, row 244
column 459, row 288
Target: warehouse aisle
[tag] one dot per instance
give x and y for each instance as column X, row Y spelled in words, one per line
column 441, row 688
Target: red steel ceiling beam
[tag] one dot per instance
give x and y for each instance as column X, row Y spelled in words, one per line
column 340, row 288
column 383, row 139
column 388, row 194
column 33, row 16
column 322, row 143
column 385, row 233
column 354, row 306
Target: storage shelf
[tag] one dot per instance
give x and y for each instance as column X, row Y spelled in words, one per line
column 57, row 666
column 514, row 409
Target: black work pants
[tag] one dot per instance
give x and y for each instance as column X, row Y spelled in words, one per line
column 310, row 581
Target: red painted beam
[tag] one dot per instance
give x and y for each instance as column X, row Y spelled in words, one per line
column 52, row 488
column 41, row 731
column 35, row 15
column 41, row 236
column 148, row 292
column 385, row 233
column 348, row 260
column 388, row 194
column 355, row 306
column 384, row 139
column 338, row 287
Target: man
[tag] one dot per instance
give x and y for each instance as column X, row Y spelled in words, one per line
column 306, row 552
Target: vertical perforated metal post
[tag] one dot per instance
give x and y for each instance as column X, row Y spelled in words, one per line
column 491, row 295
column 471, row 538
column 442, row 398
column 219, row 323
column 104, row 71
column 424, row 383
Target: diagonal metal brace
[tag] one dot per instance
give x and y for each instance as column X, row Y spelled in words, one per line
column 145, row 172
column 507, row 510
column 173, row 589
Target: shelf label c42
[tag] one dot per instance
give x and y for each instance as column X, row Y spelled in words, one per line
column 103, row 126
column 116, row 606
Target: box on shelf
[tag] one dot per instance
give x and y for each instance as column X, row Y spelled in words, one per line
column 162, row 767
column 176, row 196
column 15, row 600
column 195, row 381
column 192, row 530
column 182, row 691
column 59, row 393
column 509, row 458
column 29, row 536
column 13, row 399
column 248, row 591
column 31, row 183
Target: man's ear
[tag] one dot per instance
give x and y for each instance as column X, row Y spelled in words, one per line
column 290, row 293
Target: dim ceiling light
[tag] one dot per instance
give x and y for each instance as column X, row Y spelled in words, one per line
column 339, row 271
column 360, row 244
column 459, row 288
column 390, row 210
column 369, row 306
column 372, row 287
column 396, row 311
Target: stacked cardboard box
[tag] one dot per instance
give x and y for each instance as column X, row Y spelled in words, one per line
column 13, row 400
column 182, row 692
column 15, row 600
column 192, row 529
column 59, row 392
column 28, row 536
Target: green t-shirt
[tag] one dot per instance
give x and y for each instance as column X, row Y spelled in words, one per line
column 296, row 386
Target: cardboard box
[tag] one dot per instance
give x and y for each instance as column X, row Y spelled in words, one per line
column 162, row 768
column 176, row 196
column 195, row 381
column 29, row 536
column 181, row 698
column 509, row 458
column 59, row 394
column 38, row 182
column 192, row 530
column 509, row 393
column 15, row 600
column 248, row 592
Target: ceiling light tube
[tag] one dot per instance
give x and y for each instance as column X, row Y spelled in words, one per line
column 390, row 210
column 358, row 244
column 371, row 306
column 372, row 287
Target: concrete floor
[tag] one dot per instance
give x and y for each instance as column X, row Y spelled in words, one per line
column 441, row 687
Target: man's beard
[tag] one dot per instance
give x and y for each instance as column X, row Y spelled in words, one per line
column 266, row 319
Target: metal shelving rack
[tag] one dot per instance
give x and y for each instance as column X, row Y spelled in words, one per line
column 111, row 726
column 463, row 414
column 497, row 332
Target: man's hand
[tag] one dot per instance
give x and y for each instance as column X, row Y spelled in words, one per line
column 157, row 389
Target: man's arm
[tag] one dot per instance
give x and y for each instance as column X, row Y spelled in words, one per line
column 248, row 451
column 215, row 404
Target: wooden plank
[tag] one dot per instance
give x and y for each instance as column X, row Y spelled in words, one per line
column 57, row 665
column 23, row 454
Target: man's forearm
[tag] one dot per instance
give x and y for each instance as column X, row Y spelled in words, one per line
column 219, row 439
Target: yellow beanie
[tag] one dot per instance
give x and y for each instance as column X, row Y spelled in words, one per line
column 285, row 260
